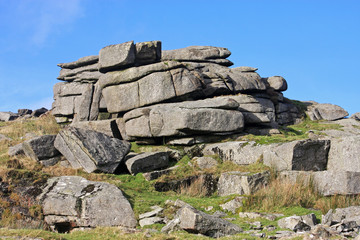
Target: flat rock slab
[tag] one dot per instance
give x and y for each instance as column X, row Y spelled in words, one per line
column 185, row 118
column 71, row 202
column 116, row 56
column 91, row 150
column 196, row 53
column 146, row 162
column 242, row 182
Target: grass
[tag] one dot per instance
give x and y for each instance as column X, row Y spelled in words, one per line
column 293, row 132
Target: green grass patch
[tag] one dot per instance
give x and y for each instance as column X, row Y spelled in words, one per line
column 293, row 132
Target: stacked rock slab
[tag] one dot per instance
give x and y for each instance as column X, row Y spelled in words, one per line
column 148, row 87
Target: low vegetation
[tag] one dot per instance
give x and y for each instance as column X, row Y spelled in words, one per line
column 277, row 197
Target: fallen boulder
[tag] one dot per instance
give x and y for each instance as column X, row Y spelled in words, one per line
column 40, row 149
column 147, row 162
column 298, row 223
column 70, row 202
column 194, row 221
column 325, row 111
column 91, row 150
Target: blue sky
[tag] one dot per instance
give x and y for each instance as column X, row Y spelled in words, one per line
column 313, row 44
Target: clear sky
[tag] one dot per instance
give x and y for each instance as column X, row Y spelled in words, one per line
column 313, row 44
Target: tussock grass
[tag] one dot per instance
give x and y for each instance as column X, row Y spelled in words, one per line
column 15, row 130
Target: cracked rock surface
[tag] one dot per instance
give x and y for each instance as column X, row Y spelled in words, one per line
column 70, row 202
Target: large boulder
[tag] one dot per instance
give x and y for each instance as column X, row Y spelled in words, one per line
column 277, row 83
column 195, row 221
column 325, row 111
column 148, row 52
column 70, row 202
column 298, row 223
column 307, row 155
column 116, row 56
column 146, row 162
column 344, row 154
column 91, row 150
column 41, row 149
column 8, row 116
column 242, row 182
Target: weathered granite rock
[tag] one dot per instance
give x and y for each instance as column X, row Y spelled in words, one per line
column 150, row 221
column 193, row 53
column 116, row 56
column 40, row 148
column 108, row 127
column 91, row 150
column 8, row 116
column 194, row 221
column 148, row 52
column 247, row 69
column 22, row 112
column 176, row 119
column 156, row 174
column 157, row 210
column 344, row 154
column 88, row 60
column 287, row 113
column 298, row 223
column 70, row 74
column 278, row 83
column 337, row 182
column 356, row 116
column 268, row 216
column 325, row 111
column 16, row 150
column 205, row 184
column 39, row 112
column 146, row 162
column 308, row 155
column 240, row 153
column 327, row 183
column 242, row 182
column 206, row 162
column 232, row 205
column 73, row 202
column 341, row 215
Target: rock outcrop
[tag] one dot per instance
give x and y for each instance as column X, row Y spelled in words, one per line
column 169, row 94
